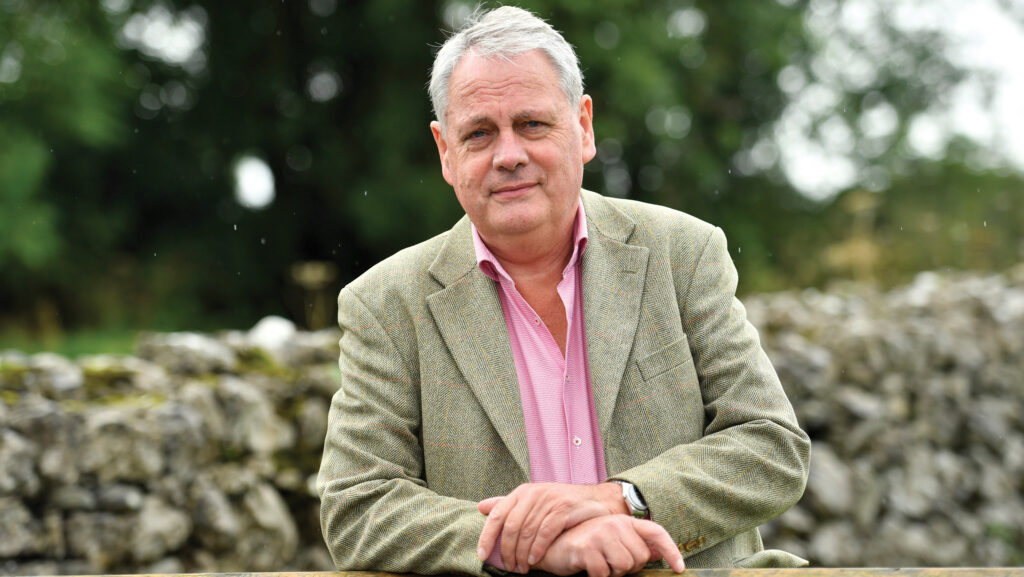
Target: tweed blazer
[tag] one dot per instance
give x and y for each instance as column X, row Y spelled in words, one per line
column 428, row 419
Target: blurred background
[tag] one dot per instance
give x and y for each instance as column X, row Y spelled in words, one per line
column 190, row 169
column 171, row 165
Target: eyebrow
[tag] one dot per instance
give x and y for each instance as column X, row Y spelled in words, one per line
column 524, row 114
column 531, row 113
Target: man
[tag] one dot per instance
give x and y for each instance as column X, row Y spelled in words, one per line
column 560, row 382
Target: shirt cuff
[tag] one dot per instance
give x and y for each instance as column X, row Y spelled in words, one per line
column 494, row 560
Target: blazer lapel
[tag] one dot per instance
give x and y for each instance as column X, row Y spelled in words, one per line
column 469, row 317
column 613, row 284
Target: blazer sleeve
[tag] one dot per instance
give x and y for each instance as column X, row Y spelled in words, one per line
column 376, row 512
column 751, row 463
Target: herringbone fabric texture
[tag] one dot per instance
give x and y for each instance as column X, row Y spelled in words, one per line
column 428, row 418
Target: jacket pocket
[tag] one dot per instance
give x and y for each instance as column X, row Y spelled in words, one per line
column 665, row 359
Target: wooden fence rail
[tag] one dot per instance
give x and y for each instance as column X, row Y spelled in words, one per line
column 805, row 572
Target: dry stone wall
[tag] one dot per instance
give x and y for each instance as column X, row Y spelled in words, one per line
column 199, row 454
column 914, row 400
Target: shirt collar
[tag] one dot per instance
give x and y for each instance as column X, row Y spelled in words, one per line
column 490, row 266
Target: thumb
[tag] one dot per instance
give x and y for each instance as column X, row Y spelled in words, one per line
column 488, row 504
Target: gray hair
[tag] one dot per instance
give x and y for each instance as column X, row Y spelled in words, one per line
column 503, row 33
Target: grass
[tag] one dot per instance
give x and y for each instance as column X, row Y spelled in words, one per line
column 118, row 341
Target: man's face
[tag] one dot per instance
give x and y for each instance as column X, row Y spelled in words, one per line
column 513, row 148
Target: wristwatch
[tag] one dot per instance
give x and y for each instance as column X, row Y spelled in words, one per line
column 634, row 500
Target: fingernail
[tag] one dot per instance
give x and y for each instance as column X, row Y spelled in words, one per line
column 520, row 569
column 532, row 560
column 480, row 554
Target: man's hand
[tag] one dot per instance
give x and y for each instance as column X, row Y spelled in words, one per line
column 611, row 546
column 532, row 516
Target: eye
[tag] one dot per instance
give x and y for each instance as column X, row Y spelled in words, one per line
column 475, row 135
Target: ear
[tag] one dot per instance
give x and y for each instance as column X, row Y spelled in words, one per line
column 442, row 150
column 587, row 126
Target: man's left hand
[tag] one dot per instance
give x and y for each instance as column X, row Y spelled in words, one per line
column 532, row 516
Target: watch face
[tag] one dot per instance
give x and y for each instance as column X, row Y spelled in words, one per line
column 636, row 503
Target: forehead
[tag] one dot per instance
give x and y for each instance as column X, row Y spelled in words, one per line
column 508, row 87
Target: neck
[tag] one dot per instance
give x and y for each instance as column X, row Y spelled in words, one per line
column 532, row 258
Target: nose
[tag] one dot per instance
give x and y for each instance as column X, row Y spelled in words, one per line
column 509, row 152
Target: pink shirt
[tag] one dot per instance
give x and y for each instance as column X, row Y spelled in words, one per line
column 558, row 407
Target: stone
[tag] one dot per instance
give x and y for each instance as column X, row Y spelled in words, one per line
column 189, row 353
column 310, row 348
column 120, row 446
column 914, row 489
column 19, row 531
column 272, row 333
column 312, row 423
column 165, row 566
column 859, row 403
column 54, row 376
column 251, row 421
column 53, row 541
column 202, row 398
column 322, row 379
column 834, row 544
column 182, row 437
column 73, row 498
column 30, row 568
column 829, row 485
column 119, row 498
column 274, row 537
column 797, row 520
column 868, row 495
column 314, row 558
column 115, row 373
column 161, row 529
column 104, row 539
column 217, row 525
column 17, row 472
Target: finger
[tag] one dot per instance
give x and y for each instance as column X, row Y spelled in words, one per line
column 528, row 534
column 492, row 528
column 548, row 531
column 510, row 535
column 619, row 558
column 596, row 565
column 640, row 552
column 487, row 504
column 659, row 540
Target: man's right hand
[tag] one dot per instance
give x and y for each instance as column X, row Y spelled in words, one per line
column 610, row 546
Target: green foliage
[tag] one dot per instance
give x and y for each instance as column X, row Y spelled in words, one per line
column 116, row 191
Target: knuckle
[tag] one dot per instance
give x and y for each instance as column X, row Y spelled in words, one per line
column 547, row 532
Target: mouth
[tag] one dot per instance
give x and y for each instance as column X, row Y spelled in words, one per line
column 512, row 190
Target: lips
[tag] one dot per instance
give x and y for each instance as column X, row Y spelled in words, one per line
column 513, row 189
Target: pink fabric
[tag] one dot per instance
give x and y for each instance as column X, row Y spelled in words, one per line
column 558, row 407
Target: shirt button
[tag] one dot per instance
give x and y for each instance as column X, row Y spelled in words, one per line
column 577, row 441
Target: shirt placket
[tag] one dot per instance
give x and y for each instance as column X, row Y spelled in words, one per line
column 573, row 436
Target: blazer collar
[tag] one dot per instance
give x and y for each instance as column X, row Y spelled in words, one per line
column 457, row 256
column 614, row 273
